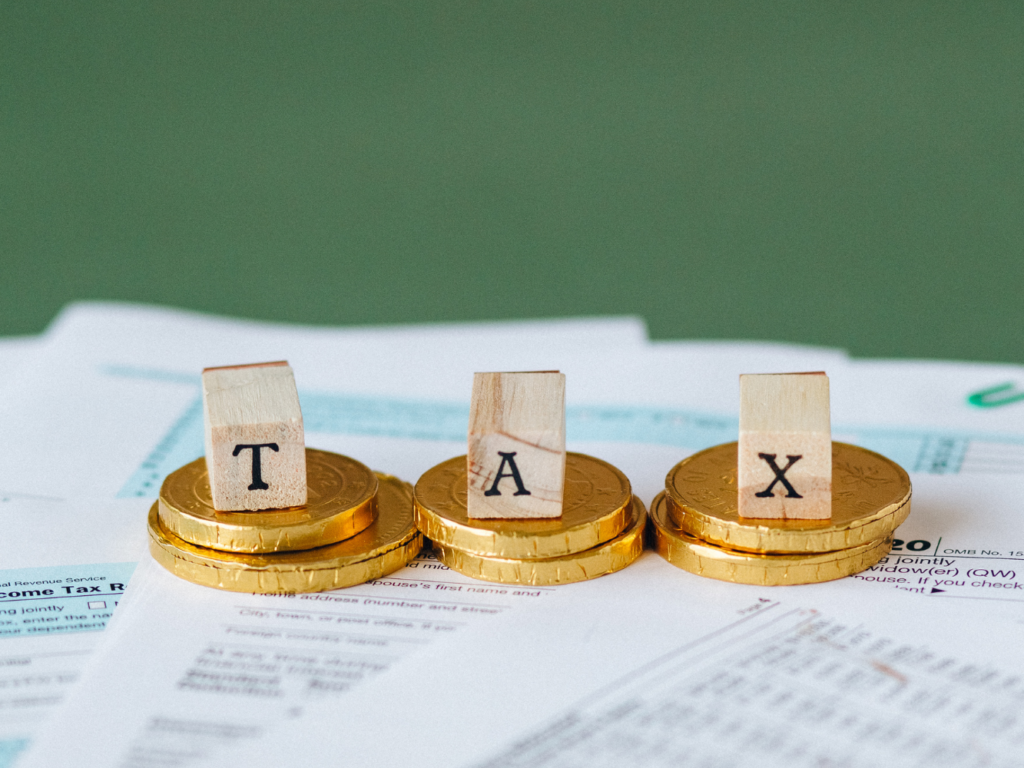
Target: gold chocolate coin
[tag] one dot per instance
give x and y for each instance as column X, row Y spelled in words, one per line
column 606, row 558
column 341, row 504
column 387, row 545
column 595, row 509
column 870, row 498
column 704, row 559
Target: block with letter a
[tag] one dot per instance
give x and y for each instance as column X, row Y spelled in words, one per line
column 785, row 450
column 255, row 446
column 516, row 458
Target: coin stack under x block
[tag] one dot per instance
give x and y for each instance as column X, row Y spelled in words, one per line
column 600, row 529
column 697, row 527
column 356, row 525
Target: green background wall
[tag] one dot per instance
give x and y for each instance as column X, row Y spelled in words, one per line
column 835, row 173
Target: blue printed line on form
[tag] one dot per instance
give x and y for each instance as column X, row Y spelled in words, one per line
column 920, row 450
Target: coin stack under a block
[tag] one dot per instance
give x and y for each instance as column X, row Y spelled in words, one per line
column 599, row 531
column 696, row 526
column 357, row 526
column 519, row 509
column 263, row 513
column 806, row 510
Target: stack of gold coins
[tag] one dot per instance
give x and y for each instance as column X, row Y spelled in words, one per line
column 356, row 526
column 600, row 530
column 696, row 525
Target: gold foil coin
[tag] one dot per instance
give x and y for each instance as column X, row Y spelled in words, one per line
column 387, row 545
column 606, row 558
column 341, row 504
column 595, row 509
column 870, row 499
column 704, row 559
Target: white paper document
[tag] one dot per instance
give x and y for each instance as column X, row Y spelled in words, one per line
column 656, row 667
column 192, row 674
column 964, row 539
column 63, row 569
column 15, row 353
column 181, row 624
column 63, row 564
column 899, row 404
column 113, row 387
column 198, row 670
column 144, row 384
column 390, row 399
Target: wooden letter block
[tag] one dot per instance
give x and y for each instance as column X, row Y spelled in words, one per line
column 516, row 457
column 785, row 451
column 255, row 446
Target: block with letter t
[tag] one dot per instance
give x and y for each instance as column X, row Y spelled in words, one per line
column 784, row 466
column 516, row 452
column 255, row 446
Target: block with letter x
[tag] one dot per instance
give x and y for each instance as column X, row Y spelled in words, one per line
column 255, row 445
column 516, row 452
column 784, row 467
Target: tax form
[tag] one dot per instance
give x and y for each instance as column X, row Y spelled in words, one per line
column 61, row 576
column 272, row 655
column 64, row 563
column 113, row 385
column 947, row 498
column 969, row 544
column 201, row 636
column 652, row 666
column 661, row 404
column 217, row 668
column 899, row 403
column 134, row 412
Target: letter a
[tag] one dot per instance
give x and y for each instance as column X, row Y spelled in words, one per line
column 506, row 458
column 519, row 418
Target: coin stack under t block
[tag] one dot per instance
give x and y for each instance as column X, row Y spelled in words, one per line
column 519, row 509
column 785, row 505
column 260, row 512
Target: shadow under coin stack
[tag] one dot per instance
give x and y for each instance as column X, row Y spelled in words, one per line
column 696, row 525
column 357, row 525
column 600, row 530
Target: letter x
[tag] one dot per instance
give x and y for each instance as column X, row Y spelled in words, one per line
column 780, row 476
column 257, row 476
